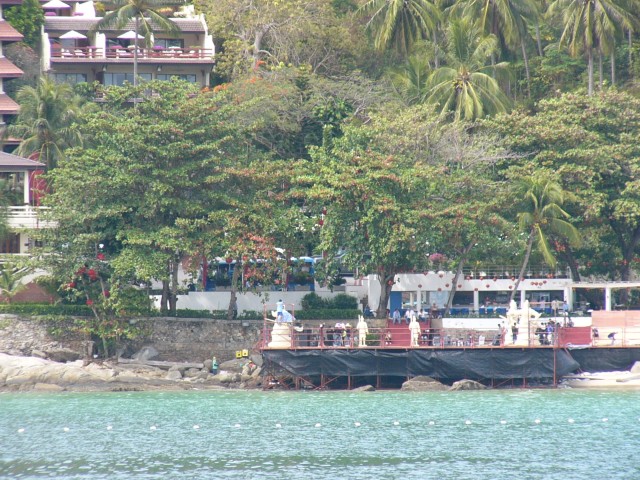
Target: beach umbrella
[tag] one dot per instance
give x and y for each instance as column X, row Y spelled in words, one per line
column 72, row 35
column 55, row 5
column 130, row 35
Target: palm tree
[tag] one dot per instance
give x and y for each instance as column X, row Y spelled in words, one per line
column 541, row 215
column 506, row 19
column 47, row 121
column 401, row 23
column 147, row 19
column 593, row 24
column 11, row 281
column 410, row 79
column 464, row 85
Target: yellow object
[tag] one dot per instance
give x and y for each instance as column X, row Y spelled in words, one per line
column 245, row 353
column 238, row 353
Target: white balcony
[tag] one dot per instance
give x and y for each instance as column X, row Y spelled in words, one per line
column 26, row 217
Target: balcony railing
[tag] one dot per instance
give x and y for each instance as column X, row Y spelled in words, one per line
column 157, row 53
column 25, row 216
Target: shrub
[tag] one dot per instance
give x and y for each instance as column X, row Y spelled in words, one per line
column 343, row 301
column 313, row 301
column 327, row 314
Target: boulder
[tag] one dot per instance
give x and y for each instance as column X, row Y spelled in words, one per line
column 467, row 385
column 174, row 375
column 192, row 373
column 234, row 365
column 423, row 384
column 62, row 355
column 145, row 353
column 635, row 368
column 366, row 388
column 208, row 364
column 38, row 354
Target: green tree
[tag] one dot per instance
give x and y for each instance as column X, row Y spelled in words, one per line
column 146, row 16
column 465, row 85
column 27, row 18
column 401, row 23
column 47, row 122
column 377, row 186
column 11, row 280
column 541, row 214
column 593, row 24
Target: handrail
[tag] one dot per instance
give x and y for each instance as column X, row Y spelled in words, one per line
column 122, row 52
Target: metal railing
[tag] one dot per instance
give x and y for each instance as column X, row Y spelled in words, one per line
column 128, row 53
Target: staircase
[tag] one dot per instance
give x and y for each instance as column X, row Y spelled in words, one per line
column 400, row 335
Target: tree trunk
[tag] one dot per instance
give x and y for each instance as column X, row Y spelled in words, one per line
column 436, row 59
column 164, row 300
column 526, row 68
column 539, row 41
column 600, row 70
column 454, row 284
column 613, row 65
column 629, row 39
column 173, row 297
column 525, row 262
column 135, row 55
column 590, row 70
column 385, row 292
column 232, row 310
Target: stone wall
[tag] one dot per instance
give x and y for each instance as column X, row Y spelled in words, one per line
column 175, row 339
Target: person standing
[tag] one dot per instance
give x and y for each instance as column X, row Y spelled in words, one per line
column 514, row 332
column 396, row 317
column 279, row 310
column 214, row 365
column 555, row 305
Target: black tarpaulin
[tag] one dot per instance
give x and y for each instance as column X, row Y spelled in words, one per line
column 450, row 364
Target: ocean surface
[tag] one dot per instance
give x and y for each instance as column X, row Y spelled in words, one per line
column 498, row 434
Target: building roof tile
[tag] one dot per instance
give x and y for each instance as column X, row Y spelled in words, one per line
column 8, row 69
column 11, row 160
column 7, row 105
column 83, row 24
column 8, row 33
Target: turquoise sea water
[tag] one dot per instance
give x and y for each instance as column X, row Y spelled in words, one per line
column 506, row 434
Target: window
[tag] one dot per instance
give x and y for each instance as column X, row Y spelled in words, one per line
column 12, row 187
column 120, row 78
column 10, row 243
column 188, row 77
column 71, row 78
column 168, row 42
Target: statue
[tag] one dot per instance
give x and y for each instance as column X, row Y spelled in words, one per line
column 363, row 330
column 414, row 328
column 281, row 331
column 520, row 318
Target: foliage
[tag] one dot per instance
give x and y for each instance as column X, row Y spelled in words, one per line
column 327, row 314
column 46, row 122
column 11, row 280
column 312, row 301
column 27, row 18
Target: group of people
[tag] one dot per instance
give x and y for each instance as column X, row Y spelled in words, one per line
column 410, row 314
column 546, row 332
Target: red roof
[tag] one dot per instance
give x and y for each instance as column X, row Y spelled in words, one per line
column 8, row 69
column 8, row 33
column 7, row 105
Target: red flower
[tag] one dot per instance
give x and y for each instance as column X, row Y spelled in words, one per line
column 100, row 256
column 106, row 293
column 89, row 302
column 92, row 273
column 81, row 271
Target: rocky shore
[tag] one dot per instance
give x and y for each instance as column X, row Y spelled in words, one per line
column 19, row 373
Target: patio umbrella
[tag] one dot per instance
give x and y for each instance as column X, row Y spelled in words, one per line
column 55, row 5
column 130, row 35
column 72, row 35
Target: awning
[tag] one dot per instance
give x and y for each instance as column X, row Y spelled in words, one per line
column 72, row 35
column 130, row 35
column 55, row 4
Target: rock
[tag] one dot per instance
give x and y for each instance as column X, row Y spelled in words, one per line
column 467, row 385
column 256, row 372
column 635, row 368
column 366, row 388
column 47, row 387
column 174, row 375
column 208, row 364
column 145, row 353
column 257, row 359
column 228, row 377
column 234, row 365
column 191, row 373
column 38, row 353
column 177, row 368
column 423, row 384
column 62, row 355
